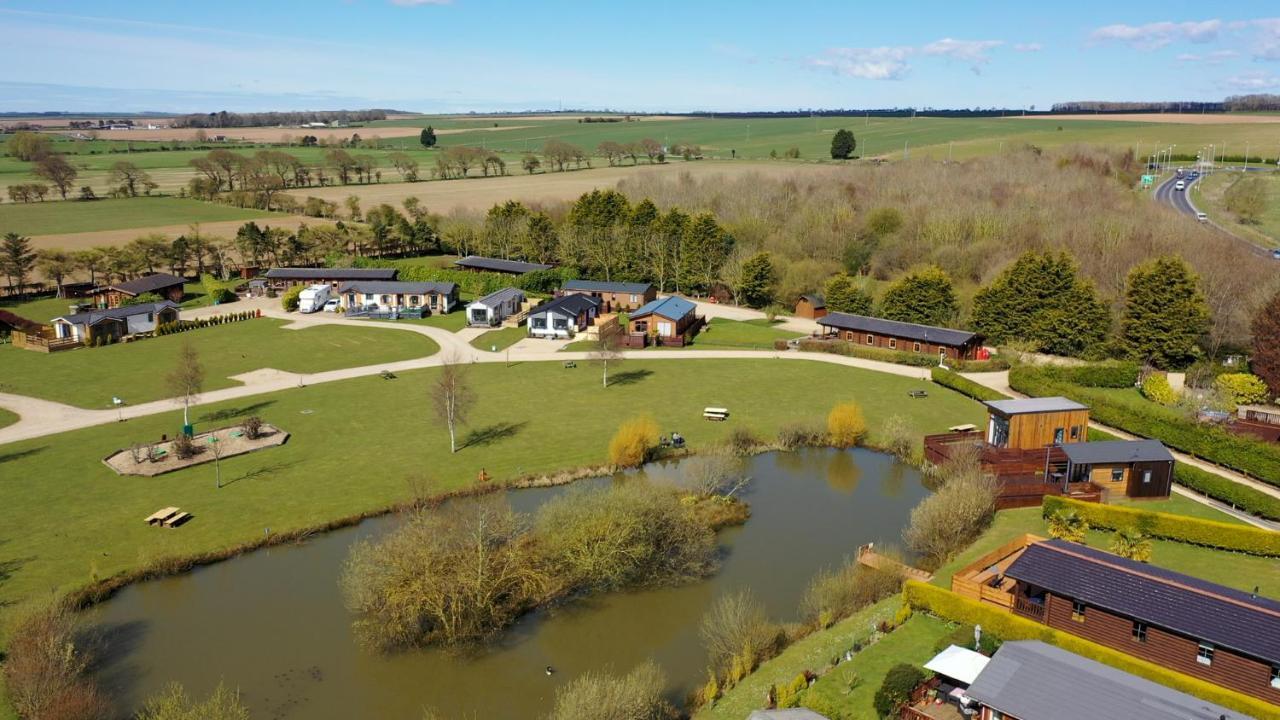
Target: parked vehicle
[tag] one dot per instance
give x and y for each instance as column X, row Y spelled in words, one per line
column 1202, row 217
column 1276, row 253
column 313, row 298
column 332, row 305
column 1180, row 185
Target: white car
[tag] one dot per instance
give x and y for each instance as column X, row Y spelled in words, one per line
column 1202, row 217
column 1180, row 185
column 332, row 305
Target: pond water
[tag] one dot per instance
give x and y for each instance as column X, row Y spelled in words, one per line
column 272, row 623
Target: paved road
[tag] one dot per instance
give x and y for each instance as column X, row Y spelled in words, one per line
column 1180, row 200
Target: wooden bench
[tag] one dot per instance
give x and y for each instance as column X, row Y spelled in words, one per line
column 177, row 520
column 570, row 364
column 161, row 515
column 917, row 394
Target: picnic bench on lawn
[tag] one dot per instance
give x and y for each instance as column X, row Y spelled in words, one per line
column 168, row 517
column 917, row 394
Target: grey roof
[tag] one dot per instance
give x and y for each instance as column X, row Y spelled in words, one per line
column 893, row 328
column 570, row 304
column 146, row 284
column 93, row 317
column 638, row 288
column 1162, row 598
column 815, row 300
column 295, row 273
column 496, row 298
column 1117, row 451
column 1032, row 680
column 786, row 714
column 518, row 267
column 393, row 287
column 1026, row 406
column 668, row 307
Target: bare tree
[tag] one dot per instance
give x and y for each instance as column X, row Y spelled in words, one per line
column 452, row 396
column 186, row 380
column 608, row 347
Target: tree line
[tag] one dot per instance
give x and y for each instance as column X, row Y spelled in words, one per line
column 224, row 119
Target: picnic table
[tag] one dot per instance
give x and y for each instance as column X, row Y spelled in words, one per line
column 916, row 394
column 161, row 515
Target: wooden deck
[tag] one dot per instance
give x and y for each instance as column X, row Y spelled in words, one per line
column 1026, row 476
column 983, row 579
column 868, row 556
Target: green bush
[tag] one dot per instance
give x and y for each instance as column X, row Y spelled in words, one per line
column 478, row 283
column 1156, row 388
column 1007, row 626
column 290, row 299
column 848, row 349
column 965, row 386
column 1241, row 497
column 896, row 689
column 1167, row 526
column 1243, row 388
column 1249, row 456
column 1105, row 375
column 995, row 364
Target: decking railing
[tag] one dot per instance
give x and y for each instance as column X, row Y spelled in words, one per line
column 39, row 343
column 1028, row 609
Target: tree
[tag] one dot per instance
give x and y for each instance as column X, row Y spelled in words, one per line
column 954, row 515
column 427, row 137
column 91, row 261
column 843, row 145
column 530, row 163
column 704, row 248
column 1265, row 360
column 759, row 281
column 1165, row 314
column 129, row 177
column 1042, row 299
column 405, row 165
column 1130, row 543
column 846, row 425
column 924, row 296
column 452, row 396
column 186, row 380
column 736, row 629
column 29, row 146
column 607, row 348
column 841, row 294
column 1247, row 198
column 55, row 264
column 173, row 703
column 1068, row 525
column 599, row 695
column 55, row 168
column 634, row 443
column 894, row 692
column 16, row 259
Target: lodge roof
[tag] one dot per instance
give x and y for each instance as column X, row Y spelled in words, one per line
column 892, row 328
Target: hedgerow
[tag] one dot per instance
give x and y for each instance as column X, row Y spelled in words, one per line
column 965, row 386
column 1167, row 526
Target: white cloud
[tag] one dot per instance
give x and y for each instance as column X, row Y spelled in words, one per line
column 1266, row 46
column 1254, row 81
column 882, row 63
column 1216, row 57
column 1028, row 47
column 1156, row 35
column 973, row 52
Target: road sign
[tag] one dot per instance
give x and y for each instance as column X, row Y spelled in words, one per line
column 1148, row 180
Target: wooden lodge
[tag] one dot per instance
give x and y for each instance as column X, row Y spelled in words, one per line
column 943, row 343
column 1038, row 446
column 613, row 296
column 1217, row 634
column 283, row 277
column 811, row 306
column 669, row 321
column 163, row 285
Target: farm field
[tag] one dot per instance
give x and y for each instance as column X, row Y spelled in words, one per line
column 122, row 236
column 70, row 217
column 1208, row 194
column 80, row 520
column 135, row 371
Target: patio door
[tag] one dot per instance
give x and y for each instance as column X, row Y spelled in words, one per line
column 666, row 329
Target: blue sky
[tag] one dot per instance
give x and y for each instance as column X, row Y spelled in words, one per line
column 461, row 55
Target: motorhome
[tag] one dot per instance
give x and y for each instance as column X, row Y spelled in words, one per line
column 313, row 298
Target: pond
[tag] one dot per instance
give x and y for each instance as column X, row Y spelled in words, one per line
column 272, row 623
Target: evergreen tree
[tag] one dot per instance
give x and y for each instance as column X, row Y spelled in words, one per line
column 759, row 280
column 427, row 137
column 17, row 259
column 540, row 239
column 842, row 145
column 1041, row 299
column 703, row 250
column 924, row 296
column 1265, row 361
column 1165, row 314
column 842, row 294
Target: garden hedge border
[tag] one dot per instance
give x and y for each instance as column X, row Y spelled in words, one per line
column 965, row 386
column 1167, row 526
column 1007, row 626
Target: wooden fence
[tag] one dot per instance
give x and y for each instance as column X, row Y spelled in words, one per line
column 40, row 343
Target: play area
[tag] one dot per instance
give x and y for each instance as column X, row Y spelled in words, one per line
column 167, row 455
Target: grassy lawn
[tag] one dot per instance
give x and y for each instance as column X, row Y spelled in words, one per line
column 41, row 310
column 135, row 371
column 48, row 218
column 809, row 653
column 501, row 338
column 64, row 516
column 912, row 644
column 1235, row 570
column 720, row 334
column 1208, row 192
column 7, row 418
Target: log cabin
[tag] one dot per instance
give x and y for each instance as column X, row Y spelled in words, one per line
column 165, row 286
column 943, row 343
column 288, row 276
column 613, row 296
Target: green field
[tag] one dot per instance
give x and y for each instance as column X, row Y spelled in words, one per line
column 50, row 217
column 64, row 515
column 135, row 371
column 41, row 310
column 720, row 334
column 501, row 339
column 7, row 418
column 1207, row 194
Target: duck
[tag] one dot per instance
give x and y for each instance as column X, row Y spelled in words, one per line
column 550, row 671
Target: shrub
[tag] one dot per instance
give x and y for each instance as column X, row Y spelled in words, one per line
column 742, row 440
column 833, row 595
column 223, row 295
column 634, row 443
column 174, row 704
column 789, row 694
column 799, row 435
column 1155, row 387
column 736, row 628
column 781, row 345
column 184, row 447
column 290, row 298
column 1242, row 388
column 1067, row 524
column 1132, row 544
column 1007, row 626
column 252, row 427
column 899, row 437
column 896, row 689
column 1108, row 374
column 1167, row 526
column 965, row 386
column 846, row 426
column 949, row 519
column 45, row 670
column 596, row 695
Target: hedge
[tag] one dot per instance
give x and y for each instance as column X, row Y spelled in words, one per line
column 1249, row 456
column 477, row 283
column 1007, row 626
column 965, row 386
column 1167, row 526
column 1106, row 375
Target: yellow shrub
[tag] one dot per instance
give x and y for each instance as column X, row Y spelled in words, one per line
column 845, row 425
column 634, row 442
